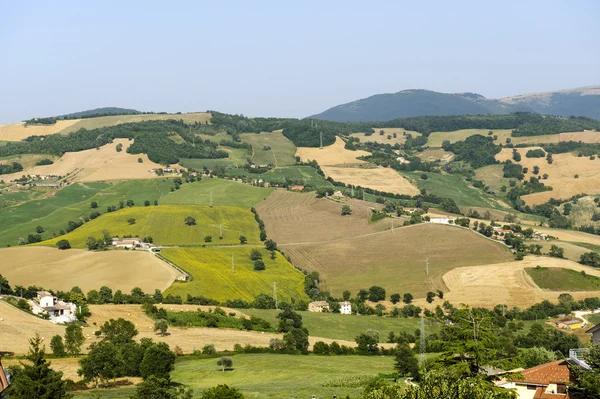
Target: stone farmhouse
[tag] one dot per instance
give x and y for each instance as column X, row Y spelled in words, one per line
column 318, row 306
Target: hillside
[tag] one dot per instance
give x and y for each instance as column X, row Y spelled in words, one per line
column 409, row 103
column 100, row 111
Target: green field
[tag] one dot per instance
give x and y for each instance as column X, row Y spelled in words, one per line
column 594, row 319
column 304, row 175
column 237, row 157
column 347, row 327
column 591, row 247
column 212, row 276
column 224, row 193
column 165, row 224
column 17, row 197
column 282, row 152
column 559, row 279
column 493, row 176
column 271, row 376
column 455, row 187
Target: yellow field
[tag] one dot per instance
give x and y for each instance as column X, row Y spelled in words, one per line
column 378, row 178
column 165, row 224
column 334, row 154
column 435, row 154
column 561, row 174
column 587, row 136
column 507, row 283
column 96, row 165
column 388, row 131
column 436, row 139
column 61, row 270
column 18, row 131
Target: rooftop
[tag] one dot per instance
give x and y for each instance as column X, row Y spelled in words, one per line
column 547, row 373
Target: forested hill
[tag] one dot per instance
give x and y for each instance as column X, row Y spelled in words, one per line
column 100, row 111
column 409, row 103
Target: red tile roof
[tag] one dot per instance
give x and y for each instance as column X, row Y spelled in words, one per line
column 547, row 373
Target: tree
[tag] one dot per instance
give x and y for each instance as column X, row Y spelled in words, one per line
column 118, row 331
column 119, row 147
column 536, row 356
column 74, row 339
column 91, row 244
column 63, row 244
column 243, row 240
column 190, row 221
column 424, row 176
column 222, row 392
column 37, row 380
column 57, row 346
column 39, row 229
column 407, row 298
column 225, row 362
column 208, row 239
column 270, row 245
column 106, row 295
column 346, row 295
column 288, row 320
column 556, row 251
column 158, row 388
column 158, row 361
column 406, row 362
column 430, row 296
column 346, row 210
column 140, row 160
column 101, row 364
column 131, row 220
column 4, row 286
column 367, row 344
column 93, row 205
column 376, row 293
column 296, row 339
column 255, row 254
column 146, row 203
column 162, row 326
column 395, row 298
column 259, row 265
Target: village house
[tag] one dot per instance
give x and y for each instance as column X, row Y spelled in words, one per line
column 297, row 188
column 595, row 331
column 128, row 243
column 318, row 306
column 547, row 380
column 59, row 311
column 538, row 235
column 345, row 307
column 442, row 220
column 402, row 160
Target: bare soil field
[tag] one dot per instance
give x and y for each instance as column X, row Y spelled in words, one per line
column 377, row 178
column 396, row 260
column 388, row 131
column 334, row 154
column 507, row 283
column 96, row 165
column 18, row 131
column 61, row 270
column 301, row 217
column 587, row 136
column 16, row 327
column 561, row 174
column 435, row 154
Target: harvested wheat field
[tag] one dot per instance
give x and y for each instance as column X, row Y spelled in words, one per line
column 18, row 131
column 188, row 339
column 17, row 327
column 61, row 270
column 587, row 136
column 96, row 165
column 435, row 139
column 561, row 174
column 377, row 137
column 435, row 154
column 507, row 283
column 301, row 217
column 396, row 259
column 376, row 178
column 334, row 154
column 569, row 235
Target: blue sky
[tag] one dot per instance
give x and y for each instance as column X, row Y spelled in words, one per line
column 277, row 58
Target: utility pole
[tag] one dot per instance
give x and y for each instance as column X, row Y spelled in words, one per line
column 422, row 342
column 275, row 293
column 427, row 266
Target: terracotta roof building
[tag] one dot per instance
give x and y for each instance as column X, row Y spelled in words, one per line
column 547, row 380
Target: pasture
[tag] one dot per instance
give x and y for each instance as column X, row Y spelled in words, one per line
column 561, row 174
column 387, row 137
column 435, row 154
column 213, row 277
column 435, row 139
column 222, row 192
column 303, row 175
column 53, row 269
column 376, row 178
column 348, row 327
column 334, row 154
column 559, row 279
column 282, row 152
column 273, row 376
column 27, row 160
column 165, row 224
column 493, row 176
column 572, row 251
column 18, row 196
column 301, row 217
column 508, row 283
column 396, row 260
column 236, row 157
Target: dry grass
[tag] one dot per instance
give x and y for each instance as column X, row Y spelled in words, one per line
column 396, row 260
column 388, row 131
column 507, row 283
column 300, row 218
column 587, row 136
column 28, row 160
column 376, row 178
column 561, row 174
column 61, row 270
column 93, row 123
column 18, row 131
column 334, row 154
column 96, row 165
column 68, row 365
column 435, row 154
column 436, row 139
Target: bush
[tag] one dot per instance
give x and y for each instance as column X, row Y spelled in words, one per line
column 63, row 244
column 538, row 153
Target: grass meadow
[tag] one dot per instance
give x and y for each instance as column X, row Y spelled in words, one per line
column 237, row 157
column 301, row 174
column 165, row 224
column 558, row 279
column 282, row 152
column 273, row 376
column 212, row 276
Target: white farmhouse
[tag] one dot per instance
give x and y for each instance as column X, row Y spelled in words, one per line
column 59, row 311
column 127, row 242
column 345, row 307
column 442, row 220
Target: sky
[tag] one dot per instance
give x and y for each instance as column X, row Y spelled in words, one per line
column 284, row 58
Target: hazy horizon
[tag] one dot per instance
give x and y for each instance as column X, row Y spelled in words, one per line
column 274, row 59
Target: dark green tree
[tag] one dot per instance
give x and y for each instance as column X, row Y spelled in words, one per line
column 158, row 361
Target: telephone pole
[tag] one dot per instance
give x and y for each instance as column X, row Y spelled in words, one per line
column 220, row 231
column 427, row 266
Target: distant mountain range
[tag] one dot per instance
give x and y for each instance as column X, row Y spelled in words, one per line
column 584, row 101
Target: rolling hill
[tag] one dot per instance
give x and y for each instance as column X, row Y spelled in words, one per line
column 583, row 101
